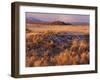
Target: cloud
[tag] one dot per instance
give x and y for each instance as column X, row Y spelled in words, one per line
column 59, row 17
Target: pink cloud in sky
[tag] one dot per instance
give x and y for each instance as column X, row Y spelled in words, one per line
column 59, row 17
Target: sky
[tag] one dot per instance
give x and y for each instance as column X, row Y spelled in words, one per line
column 49, row 17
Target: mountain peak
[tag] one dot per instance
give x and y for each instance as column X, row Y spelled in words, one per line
column 60, row 23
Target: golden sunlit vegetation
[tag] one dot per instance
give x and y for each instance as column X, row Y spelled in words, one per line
column 54, row 48
column 57, row 28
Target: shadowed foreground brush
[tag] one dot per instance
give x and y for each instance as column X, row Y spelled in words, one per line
column 54, row 49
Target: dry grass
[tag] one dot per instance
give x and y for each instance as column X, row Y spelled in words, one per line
column 41, row 52
column 59, row 28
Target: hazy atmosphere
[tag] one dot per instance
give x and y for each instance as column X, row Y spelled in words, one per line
column 47, row 17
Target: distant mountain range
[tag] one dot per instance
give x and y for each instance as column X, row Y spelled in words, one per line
column 38, row 21
column 32, row 20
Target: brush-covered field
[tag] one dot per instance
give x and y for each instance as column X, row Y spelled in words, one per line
column 54, row 45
